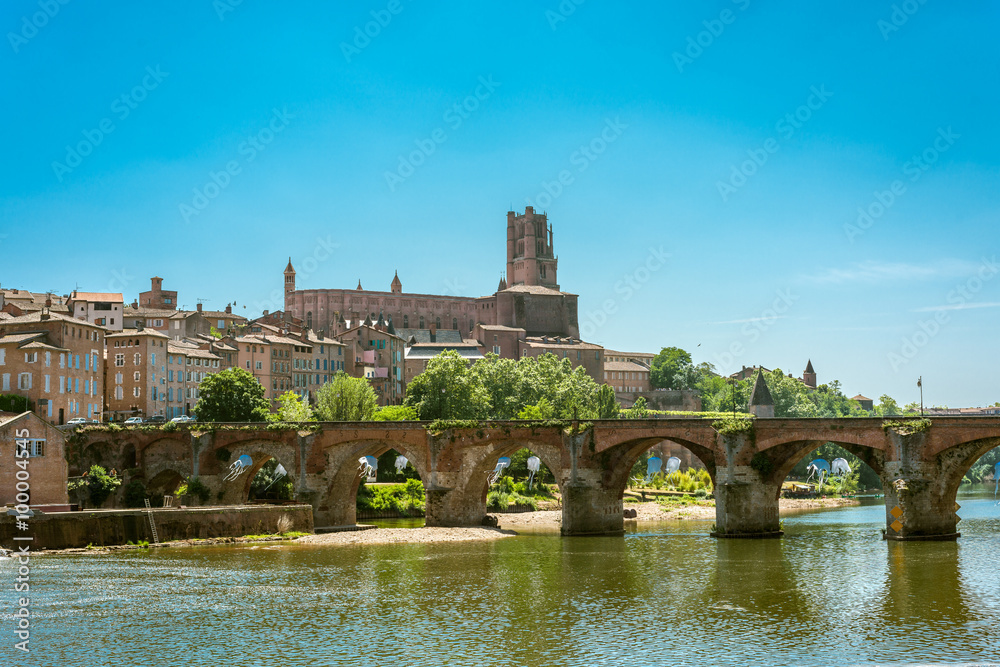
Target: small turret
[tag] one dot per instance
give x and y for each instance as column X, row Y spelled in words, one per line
column 761, row 404
column 396, row 287
column 809, row 375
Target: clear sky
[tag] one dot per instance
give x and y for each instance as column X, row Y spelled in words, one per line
column 704, row 165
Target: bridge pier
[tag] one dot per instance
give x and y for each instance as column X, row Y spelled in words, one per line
column 745, row 507
column 591, row 509
column 447, row 504
column 918, row 503
column 746, row 503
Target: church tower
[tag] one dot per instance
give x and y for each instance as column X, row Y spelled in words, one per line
column 289, row 281
column 530, row 256
column 809, row 375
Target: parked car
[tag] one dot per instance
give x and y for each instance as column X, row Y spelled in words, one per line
column 182, row 419
column 156, row 419
column 133, row 420
column 77, row 421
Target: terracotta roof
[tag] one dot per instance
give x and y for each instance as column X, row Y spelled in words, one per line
column 859, row 397
column 143, row 311
column 498, row 327
column 135, row 332
column 628, row 366
column 19, row 338
column 565, row 344
column 113, row 297
column 39, row 345
column 534, row 289
column 809, row 367
column 637, row 355
column 36, row 316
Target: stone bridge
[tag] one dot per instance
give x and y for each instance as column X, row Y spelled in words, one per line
column 921, row 471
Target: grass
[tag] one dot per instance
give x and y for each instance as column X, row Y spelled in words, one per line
column 673, row 502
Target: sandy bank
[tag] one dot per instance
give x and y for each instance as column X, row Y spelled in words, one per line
column 652, row 511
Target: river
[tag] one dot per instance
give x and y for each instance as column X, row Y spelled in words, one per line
column 829, row 593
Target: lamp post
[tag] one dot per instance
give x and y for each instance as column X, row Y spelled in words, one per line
column 732, row 384
column 920, row 383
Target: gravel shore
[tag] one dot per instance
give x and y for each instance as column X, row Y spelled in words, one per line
column 652, row 511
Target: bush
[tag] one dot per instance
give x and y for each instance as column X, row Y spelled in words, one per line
column 134, row 494
column 100, row 485
column 197, row 488
column 405, row 499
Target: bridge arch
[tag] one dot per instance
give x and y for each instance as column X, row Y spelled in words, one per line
column 260, row 451
column 336, row 504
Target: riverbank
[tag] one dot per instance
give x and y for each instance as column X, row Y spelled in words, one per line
column 703, row 510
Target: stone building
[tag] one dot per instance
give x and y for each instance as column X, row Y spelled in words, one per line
column 519, row 318
column 45, row 447
column 104, row 309
column 188, row 364
column 56, row 362
column 136, row 373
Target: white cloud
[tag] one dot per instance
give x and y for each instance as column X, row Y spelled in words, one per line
column 878, row 272
column 958, row 306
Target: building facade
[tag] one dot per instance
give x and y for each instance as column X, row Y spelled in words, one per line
column 54, row 361
column 136, row 374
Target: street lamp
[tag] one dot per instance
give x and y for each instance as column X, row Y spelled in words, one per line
column 920, row 383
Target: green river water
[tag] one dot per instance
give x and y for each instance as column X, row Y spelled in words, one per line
column 831, row 592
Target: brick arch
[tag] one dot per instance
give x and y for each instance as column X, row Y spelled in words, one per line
column 957, row 460
column 787, row 455
column 337, row 502
column 481, row 460
column 102, row 453
column 623, row 456
column 261, row 451
column 165, row 454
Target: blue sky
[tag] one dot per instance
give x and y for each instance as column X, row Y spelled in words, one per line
column 739, row 138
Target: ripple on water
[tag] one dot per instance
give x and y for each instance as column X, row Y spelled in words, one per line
column 830, row 593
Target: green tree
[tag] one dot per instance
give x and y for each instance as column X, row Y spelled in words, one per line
column 100, row 485
column 395, row 413
column 232, row 395
column 887, row 407
column 267, row 483
column 540, row 410
column 637, row 411
column 346, row 398
column 293, row 408
column 671, row 369
column 447, row 390
column 607, row 403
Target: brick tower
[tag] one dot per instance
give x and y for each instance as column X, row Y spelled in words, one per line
column 530, row 257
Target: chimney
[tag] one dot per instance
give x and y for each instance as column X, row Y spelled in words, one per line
column 44, row 315
column 229, row 308
column 199, row 307
column 48, row 300
column 139, row 324
column 135, row 303
column 265, row 313
column 320, row 333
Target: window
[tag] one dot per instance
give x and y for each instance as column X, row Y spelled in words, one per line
column 137, row 359
column 3, row 356
column 454, row 323
column 48, row 358
column 137, row 376
column 30, row 357
column 221, row 325
column 6, row 382
column 118, row 378
column 136, row 391
column 406, row 321
column 36, row 447
column 496, row 349
column 260, row 365
column 421, row 323
column 157, row 323
column 437, row 322
column 24, row 381
column 119, row 393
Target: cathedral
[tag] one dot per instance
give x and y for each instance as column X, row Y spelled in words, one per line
column 528, row 303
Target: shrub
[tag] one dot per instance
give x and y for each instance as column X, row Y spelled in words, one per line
column 134, row 494
column 197, row 488
column 100, row 485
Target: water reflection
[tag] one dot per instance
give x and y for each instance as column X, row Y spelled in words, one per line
column 830, row 593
